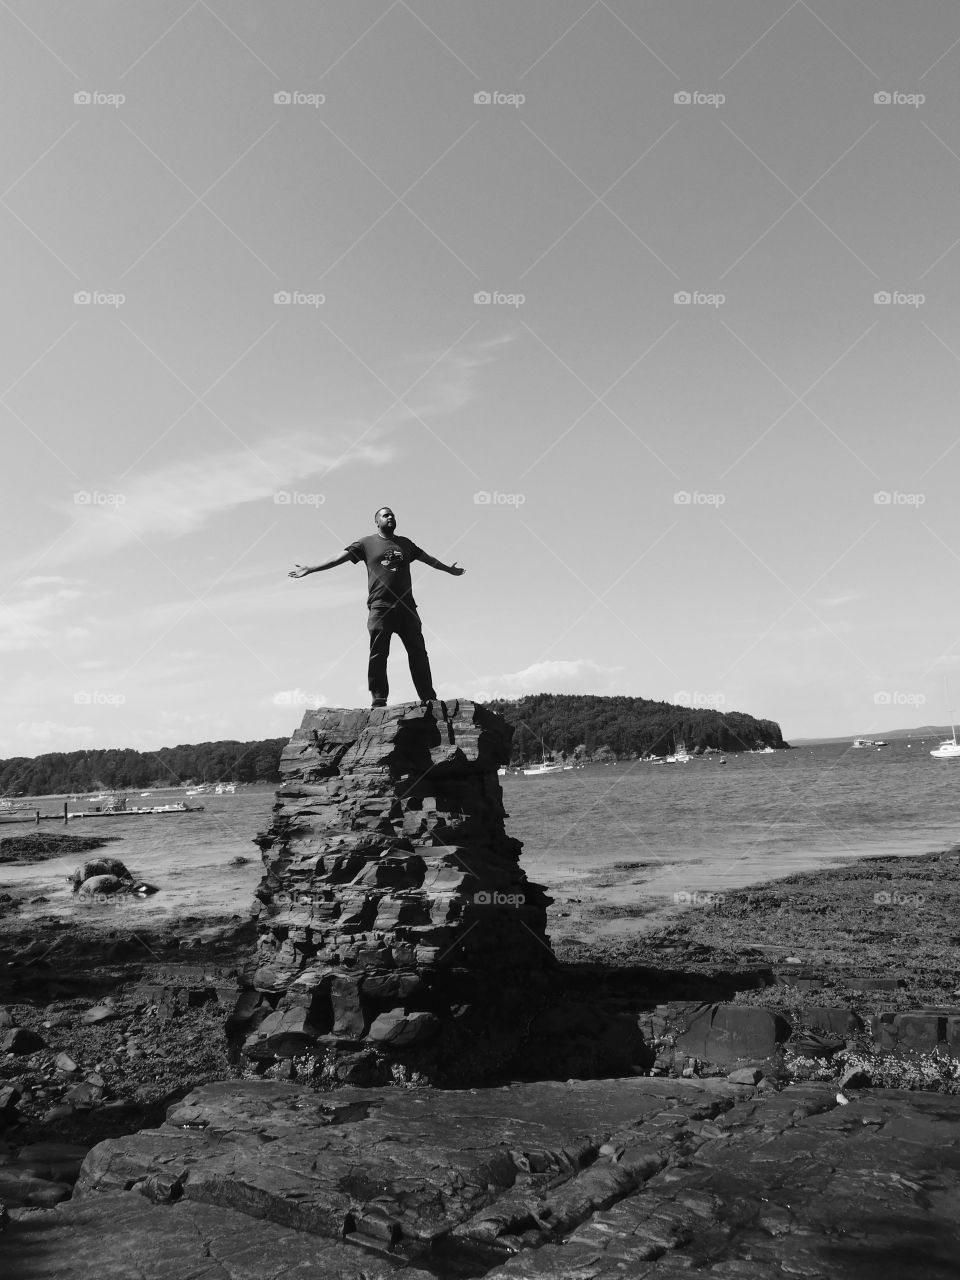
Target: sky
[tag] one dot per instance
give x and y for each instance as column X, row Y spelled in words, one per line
column 646, row 314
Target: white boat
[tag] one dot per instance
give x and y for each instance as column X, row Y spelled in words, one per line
column 536, row 770
column 502, row 772
column 200, row 790
column 949, row 749
column 101, row 795
column 680, row 756
column 863, row 742
column 224, row 788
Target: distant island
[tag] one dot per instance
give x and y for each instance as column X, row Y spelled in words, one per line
column 576, row 726
column 923, row 732
column 123, row 769
column 592, row 728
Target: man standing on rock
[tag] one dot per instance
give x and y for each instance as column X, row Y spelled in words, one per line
column 390, row 601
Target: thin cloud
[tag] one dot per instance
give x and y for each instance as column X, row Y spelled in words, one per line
column 183, row 496
column 539, row 675
column 28, row 620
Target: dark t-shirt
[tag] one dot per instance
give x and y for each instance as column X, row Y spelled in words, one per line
column 388, row 569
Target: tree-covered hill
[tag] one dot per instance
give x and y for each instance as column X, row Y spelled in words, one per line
column 123, row 768
column 559, row 723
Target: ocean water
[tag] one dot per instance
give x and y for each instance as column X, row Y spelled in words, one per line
column 620, row 834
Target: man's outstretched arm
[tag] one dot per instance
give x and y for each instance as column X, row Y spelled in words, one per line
column 446, row 568
column 302, row 570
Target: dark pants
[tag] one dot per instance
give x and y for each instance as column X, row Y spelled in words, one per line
column 406, row 624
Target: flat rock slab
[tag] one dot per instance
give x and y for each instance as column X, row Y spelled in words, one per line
column 404, row 1165
column 119, row 1237
column 586, row 1179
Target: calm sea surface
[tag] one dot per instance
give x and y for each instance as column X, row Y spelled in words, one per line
column 607, row 833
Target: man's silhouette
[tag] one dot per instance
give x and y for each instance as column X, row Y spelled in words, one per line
column 390, row 601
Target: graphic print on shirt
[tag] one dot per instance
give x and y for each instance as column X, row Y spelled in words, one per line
column 393, row 559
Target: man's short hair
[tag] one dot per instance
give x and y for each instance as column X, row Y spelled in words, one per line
column 379, row 509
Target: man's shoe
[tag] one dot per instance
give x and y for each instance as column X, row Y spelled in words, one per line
column 379, row 702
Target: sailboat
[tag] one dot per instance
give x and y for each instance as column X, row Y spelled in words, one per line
column 949, row 749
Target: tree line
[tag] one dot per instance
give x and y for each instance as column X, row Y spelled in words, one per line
column 122, row 769
column 553, row 724
column 594, row 727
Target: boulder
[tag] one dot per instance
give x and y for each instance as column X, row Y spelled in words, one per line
column 730, row 1034
column 21, row 1040
column 102, row 885
column 401, row 1029
column 99, row 867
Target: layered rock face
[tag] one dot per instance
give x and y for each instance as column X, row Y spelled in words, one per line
column 397, row 931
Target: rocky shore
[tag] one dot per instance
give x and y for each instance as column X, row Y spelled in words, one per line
column 711, row 1098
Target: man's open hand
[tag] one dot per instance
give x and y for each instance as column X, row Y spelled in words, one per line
column 456, row 570
column 301, row 571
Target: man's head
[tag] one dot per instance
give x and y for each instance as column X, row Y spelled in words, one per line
column 385, row 521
